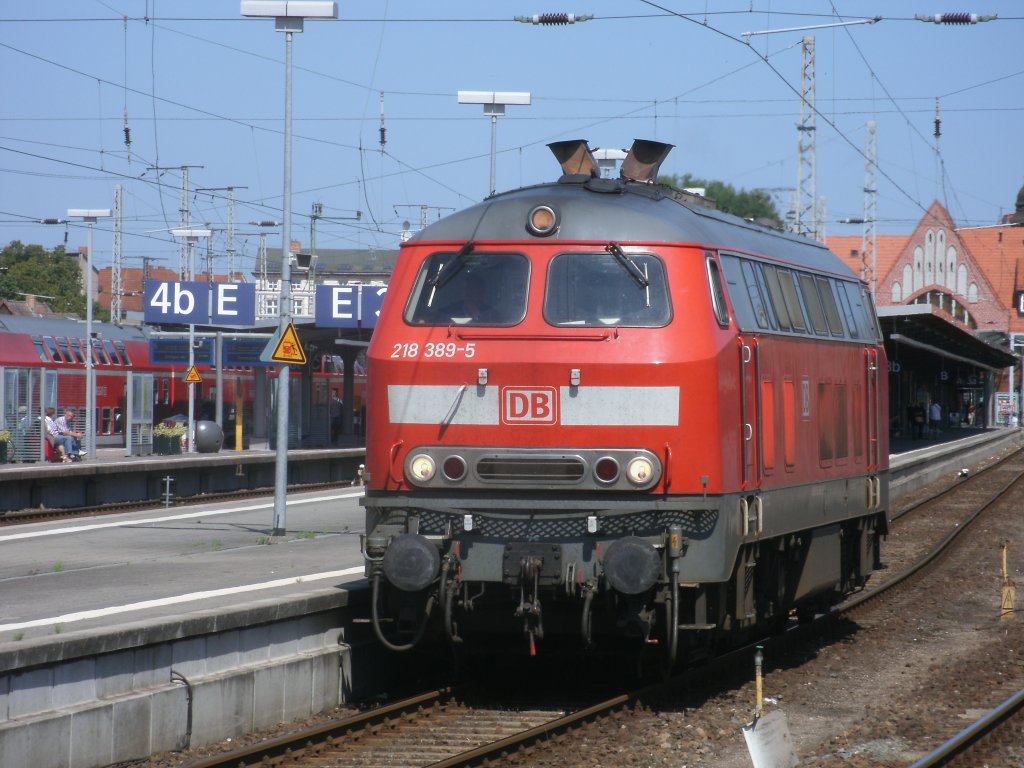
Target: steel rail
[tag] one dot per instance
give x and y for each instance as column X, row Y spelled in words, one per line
column 283, row 745
column 947, row 751
column 929, row 557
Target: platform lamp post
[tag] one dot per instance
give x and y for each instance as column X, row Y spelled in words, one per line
column 90, row 216
column 288, row 16
column 191, row 236
column 494, row 107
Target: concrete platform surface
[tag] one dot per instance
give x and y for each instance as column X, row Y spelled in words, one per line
column 97, row 573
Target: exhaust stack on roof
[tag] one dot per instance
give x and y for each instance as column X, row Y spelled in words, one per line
column 644, row 159
column 575, row 157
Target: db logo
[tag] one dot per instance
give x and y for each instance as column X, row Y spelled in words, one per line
column 528, row 406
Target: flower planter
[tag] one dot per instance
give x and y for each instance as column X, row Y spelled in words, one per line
column 3, row 452
column 165, row 445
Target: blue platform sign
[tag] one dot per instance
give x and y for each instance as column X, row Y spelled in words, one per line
column 348, row 306
column 174, row 351
column 200, row 303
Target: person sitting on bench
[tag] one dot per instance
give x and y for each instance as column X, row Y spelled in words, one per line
column 53, row 436
column 67, row 436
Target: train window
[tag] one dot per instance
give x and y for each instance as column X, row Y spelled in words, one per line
column 789, row 293
column 475, row 289
column 828, row 300
column 65, row 350
column 863, row 310
column 99, row 353
column 771, row 279
column 111, row 352
column 37, row 342
column 871, row 315
column 717, row 292
column 77, row 354
column 851, row 319
column 123, row 353
column 813, row 303
column 764, row 320
column 747, row 303
column 51, row 347
column 600, row 289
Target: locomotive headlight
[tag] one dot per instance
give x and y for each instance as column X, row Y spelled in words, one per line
column 639, row 471
column 422, row 467
column 542, row 221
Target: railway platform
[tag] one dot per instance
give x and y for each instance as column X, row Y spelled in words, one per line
column 111, row 477
column 132, row 633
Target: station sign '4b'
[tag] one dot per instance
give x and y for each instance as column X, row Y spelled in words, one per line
column 200, row 303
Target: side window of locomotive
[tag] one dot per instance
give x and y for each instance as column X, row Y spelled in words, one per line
column 479, row 289
column 717, row 291
column 771, row 279
column 871, row 315
column 792, row 298
column 813, row 303
column 598, row 290
column 828, row 300
column 844, row 302
column 863, row 311
column 746, row 299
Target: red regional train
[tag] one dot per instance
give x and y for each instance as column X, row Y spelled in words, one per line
column 43, row 363
column 600, row 409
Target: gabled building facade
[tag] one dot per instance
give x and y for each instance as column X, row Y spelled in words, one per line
column 973, row 278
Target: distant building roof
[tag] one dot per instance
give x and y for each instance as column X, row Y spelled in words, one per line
column 29, row 308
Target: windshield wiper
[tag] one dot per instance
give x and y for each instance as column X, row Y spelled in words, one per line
column 447, row 271
column 628, row 264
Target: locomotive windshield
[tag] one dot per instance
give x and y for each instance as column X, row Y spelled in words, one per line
column 470, row 289
column 602, row 289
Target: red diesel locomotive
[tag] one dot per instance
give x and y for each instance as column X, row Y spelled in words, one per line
column 601, row 407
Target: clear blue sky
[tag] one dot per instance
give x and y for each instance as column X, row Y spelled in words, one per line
column 199, row 85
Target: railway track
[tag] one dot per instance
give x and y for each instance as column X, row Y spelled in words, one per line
column 449, row 728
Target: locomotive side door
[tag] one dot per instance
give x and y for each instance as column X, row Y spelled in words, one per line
column 750, row 412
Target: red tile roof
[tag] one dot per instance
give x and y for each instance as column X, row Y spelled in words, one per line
column 987, row 264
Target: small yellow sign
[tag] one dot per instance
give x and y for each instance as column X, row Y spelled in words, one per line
column 289, row 349
column 193, row 377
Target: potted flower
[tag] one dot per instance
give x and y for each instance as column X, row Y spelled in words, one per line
column 5, row 437
column 167, row 438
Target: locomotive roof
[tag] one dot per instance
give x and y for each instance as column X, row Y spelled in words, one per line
column 598, row 209
column 59, row 326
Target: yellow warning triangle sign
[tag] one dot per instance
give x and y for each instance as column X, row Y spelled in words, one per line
column 289, row 349
column 193, row 377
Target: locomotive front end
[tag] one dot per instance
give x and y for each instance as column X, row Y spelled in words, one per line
column 524, row 397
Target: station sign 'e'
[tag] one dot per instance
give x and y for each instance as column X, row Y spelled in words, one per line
column 348, row 306
column 1020, row 303
column 200, row 303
